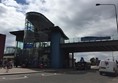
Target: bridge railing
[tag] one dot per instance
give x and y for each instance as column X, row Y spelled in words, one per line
column 75, row 40
column 72, row 40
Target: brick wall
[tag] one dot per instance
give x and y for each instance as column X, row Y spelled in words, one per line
column 2, row 45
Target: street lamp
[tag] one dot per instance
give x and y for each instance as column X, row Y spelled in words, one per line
column 115, row 12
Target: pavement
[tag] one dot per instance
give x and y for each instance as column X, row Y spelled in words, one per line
column 15, row 71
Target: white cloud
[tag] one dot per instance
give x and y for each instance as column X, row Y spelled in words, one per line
column 10, row 3
column 100, row 55
column 11, row 20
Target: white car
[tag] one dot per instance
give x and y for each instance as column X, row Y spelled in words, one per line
column 108, row 67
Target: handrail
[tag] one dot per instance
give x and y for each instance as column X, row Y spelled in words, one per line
column 78, row 39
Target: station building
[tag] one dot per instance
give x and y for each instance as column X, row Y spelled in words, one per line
column 40, row 42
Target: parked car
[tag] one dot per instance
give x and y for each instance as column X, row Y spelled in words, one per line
column 82, row 66
column 108, row 67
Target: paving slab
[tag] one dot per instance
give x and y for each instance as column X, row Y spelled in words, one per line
column 19, row 71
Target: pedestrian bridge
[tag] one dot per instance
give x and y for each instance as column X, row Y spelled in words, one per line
column 76, row 45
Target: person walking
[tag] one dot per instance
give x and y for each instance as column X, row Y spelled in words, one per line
column 0, row 63
column 8, row 66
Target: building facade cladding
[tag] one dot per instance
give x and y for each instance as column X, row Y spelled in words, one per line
column 2, row 45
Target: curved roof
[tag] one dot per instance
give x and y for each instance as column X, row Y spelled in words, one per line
column 39, row 21
column 58, row 29
column 42, row 25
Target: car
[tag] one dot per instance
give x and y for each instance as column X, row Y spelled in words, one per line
column 82, row 66
column 108, row 67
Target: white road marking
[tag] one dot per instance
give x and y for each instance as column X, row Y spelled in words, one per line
column 3, row 78
column 25, row 77
column 50, row 74
column 42, row 74
column 12, row 78
column 55, row 73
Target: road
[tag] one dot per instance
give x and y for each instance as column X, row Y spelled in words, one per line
column 59, row 77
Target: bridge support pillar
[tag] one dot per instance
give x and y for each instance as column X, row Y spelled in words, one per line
column 56, row 59
column 72, row 60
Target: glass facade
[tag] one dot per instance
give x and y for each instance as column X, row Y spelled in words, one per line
column 34, row 50
column 10, row 50
column 19, row 45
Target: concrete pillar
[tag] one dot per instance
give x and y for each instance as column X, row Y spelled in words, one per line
column 72, row 60
column 66, row 58
column 55, row 50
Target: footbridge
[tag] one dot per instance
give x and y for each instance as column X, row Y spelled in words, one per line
column 75, row 45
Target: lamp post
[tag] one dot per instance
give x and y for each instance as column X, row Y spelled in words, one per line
column 115, row 12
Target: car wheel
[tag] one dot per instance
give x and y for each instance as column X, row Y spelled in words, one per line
column 115, row 74
column 100, row 73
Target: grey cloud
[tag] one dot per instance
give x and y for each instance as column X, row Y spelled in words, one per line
column 85, row 14
column 2, row 10
column 85, row 17
column 100, row 55
column 108, row 32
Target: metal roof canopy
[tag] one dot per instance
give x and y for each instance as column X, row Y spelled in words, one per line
column 42, row 25
column 39, row 21
column 19, row 35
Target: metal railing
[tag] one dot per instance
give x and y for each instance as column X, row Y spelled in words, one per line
column 78, row 39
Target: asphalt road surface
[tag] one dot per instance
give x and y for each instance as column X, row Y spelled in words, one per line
column 59, row 77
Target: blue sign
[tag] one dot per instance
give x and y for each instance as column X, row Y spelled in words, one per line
column 28, row 45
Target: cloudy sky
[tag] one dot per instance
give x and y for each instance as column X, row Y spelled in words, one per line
column 77, row 18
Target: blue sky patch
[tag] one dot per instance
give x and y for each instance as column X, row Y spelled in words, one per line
column 21, row 1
